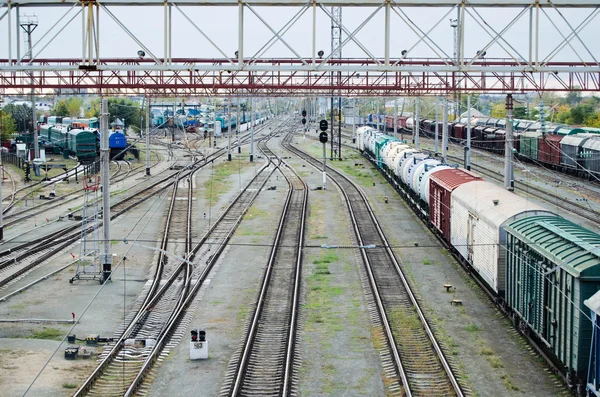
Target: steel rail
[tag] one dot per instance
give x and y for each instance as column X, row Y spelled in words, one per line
column 446, row 366
column 151, row 301
column 240, row 376
column 175, row 318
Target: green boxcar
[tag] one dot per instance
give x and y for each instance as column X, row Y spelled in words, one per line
column 553, row 265
column 45, row 131
column 528, row 144
column 58, row 136
column 82, row 143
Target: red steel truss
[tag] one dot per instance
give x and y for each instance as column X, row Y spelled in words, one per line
column 290, row 77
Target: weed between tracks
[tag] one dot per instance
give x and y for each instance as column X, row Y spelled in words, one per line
column 219, row 183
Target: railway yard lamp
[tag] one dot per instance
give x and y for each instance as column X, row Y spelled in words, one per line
column 141, row 54
column 320, row 53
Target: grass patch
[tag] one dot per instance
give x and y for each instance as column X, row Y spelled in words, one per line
column 472, row 328
column 508, row 383
column 486, row 351
column 47, row 333
column 67, row 385
column 218, row 183
column 426, row 262
column 320, row 298
column 319, row 237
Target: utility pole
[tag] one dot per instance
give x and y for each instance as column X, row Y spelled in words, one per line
column 237, row 126
column 353, row 120
column 147, row 138
column 106, row 256
column 508, row 154
column 417, row 124
column 1, row 208
column 396, row 118
column 252, row 130
column 28, row 24
column 468, row 148
column 437, row 125
column 454, row 25
column 445, row 132
column 336, row 53
column 229, row 129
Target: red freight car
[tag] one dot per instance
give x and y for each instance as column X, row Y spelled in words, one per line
column 441, row 185
column 549, row 148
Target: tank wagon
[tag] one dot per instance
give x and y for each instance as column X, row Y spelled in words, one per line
column 539, row 267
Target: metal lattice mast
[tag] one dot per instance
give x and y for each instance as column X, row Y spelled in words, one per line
column 28, row 24
column 336, row 53
column 87, row 264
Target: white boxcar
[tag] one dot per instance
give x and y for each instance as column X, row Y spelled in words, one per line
column 480, row 211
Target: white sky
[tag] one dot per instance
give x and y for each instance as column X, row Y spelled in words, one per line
column 220, row 23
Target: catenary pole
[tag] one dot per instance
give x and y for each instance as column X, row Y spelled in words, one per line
column 445, row 132
column 508, row 154
column 148, row 139
column 229, row 129
column 468, row 148
column 106, row 256
column 417, row 123
column 252, row 130
column 437, row 125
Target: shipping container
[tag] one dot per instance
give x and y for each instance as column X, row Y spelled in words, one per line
column 549, row 148
column 553, row 266
column 499, row 141
column 459, row 131
column 441, row 185
column 593, row 379
column 480, row 212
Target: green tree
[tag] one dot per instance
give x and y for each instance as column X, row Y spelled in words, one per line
column 499, row 110
column 573, row 98
column 520, row 112
column 7, row 125
column 127, row 111
column 70, row 107
column 21, row 114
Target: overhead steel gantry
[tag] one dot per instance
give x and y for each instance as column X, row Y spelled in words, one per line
column 557, row 52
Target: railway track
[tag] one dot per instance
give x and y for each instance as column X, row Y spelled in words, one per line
column 585, row 212
column 265, row 365
column 414, row 353
column 112, row 376
column 160, row 301
column 17, row 261
column 43, row 206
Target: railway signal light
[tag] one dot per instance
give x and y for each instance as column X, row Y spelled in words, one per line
column 323, row 137
column 304, row 113
column 323, row 125
column 202, row 335
column 303, row 121
column 194, row 333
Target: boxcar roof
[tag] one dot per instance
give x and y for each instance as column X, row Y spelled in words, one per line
column 478, row 197
column 592, row 143
column 594, row 302
column 575, row 140
column 573, row 247
column 451, row 178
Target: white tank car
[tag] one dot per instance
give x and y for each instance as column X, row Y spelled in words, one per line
column 400, row 157
column 424, row 181
column 418, row 170
column 393, row 152
column 409, row 165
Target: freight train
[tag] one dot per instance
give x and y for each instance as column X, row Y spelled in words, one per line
column 82, row 143
column 571, row 150
column 538, row 266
